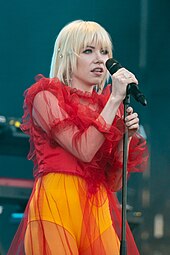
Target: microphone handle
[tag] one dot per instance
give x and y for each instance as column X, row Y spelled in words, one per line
column 132, row 89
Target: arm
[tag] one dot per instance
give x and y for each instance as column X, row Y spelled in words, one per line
column 137, row 153
column 83, row 145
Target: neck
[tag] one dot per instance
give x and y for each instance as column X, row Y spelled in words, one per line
column 81, row 86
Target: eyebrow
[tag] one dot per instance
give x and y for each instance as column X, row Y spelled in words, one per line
column 92, row 47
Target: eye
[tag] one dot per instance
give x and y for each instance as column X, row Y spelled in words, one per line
column 104, row 52
column 87, row 51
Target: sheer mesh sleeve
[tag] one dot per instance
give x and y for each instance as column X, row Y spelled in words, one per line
column 113, row 160
column 57, row 124
column 58, row 112
column 137, row 161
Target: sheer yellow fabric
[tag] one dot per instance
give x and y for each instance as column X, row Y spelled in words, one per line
column 66, row 221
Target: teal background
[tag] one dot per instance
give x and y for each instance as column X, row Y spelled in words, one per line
column 141, row 39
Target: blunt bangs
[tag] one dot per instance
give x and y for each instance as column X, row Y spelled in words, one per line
column 72, row 39
column 88, row 33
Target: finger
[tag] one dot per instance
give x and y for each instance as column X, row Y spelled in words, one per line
column 129, row 110
column 132, row 80
column 132, row 122
column 134, row 127
column 126, row 75
column 126, row 80
column 131, row 116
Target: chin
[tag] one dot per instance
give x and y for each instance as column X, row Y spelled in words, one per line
column 97, row 81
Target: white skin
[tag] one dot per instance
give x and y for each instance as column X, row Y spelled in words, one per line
column 90, row 71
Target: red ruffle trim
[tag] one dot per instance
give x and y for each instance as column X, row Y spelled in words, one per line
column 138, row 154
column 69, row 101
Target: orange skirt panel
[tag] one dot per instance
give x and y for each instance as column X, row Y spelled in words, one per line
column 61, row 207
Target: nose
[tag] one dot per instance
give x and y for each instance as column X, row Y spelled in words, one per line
column 98, row 58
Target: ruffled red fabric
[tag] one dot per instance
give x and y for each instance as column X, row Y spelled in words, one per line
column 82, row 116
column 105, row 167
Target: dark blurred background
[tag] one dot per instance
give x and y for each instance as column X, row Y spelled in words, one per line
column 141, row 38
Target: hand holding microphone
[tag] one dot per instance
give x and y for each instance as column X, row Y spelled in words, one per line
column 123, row 77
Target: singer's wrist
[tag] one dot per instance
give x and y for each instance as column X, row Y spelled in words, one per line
column 109, row 111
column 115, row 99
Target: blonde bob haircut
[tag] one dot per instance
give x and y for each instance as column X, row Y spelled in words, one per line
column 72, row 39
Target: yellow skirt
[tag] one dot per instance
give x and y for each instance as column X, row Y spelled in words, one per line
column 63, row 219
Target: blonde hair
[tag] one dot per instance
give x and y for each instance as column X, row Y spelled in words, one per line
column 71, row 40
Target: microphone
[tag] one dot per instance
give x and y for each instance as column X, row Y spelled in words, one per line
column 113, row 66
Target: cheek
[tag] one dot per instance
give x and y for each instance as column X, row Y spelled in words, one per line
column 81, row 65
column 105, row 72
column 105, row 59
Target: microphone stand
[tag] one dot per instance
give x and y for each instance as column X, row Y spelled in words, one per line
column 123, row 250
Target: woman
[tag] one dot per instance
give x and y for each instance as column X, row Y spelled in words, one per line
column 76, row 129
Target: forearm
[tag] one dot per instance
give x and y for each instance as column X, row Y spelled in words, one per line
column 82, row 144
column 93, row 143
column 114, row 176
column 120, row 148
column 109, row 111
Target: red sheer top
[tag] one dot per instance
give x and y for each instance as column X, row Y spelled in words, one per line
column 68, row 135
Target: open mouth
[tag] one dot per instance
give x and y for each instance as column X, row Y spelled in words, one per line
column 97, row 70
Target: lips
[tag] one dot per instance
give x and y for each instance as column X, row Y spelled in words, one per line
column 97, row 70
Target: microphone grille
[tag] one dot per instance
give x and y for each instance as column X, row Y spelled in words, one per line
column 112, row 65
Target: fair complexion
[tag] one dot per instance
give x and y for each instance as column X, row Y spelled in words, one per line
column 90, row 69
column 120, row 80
